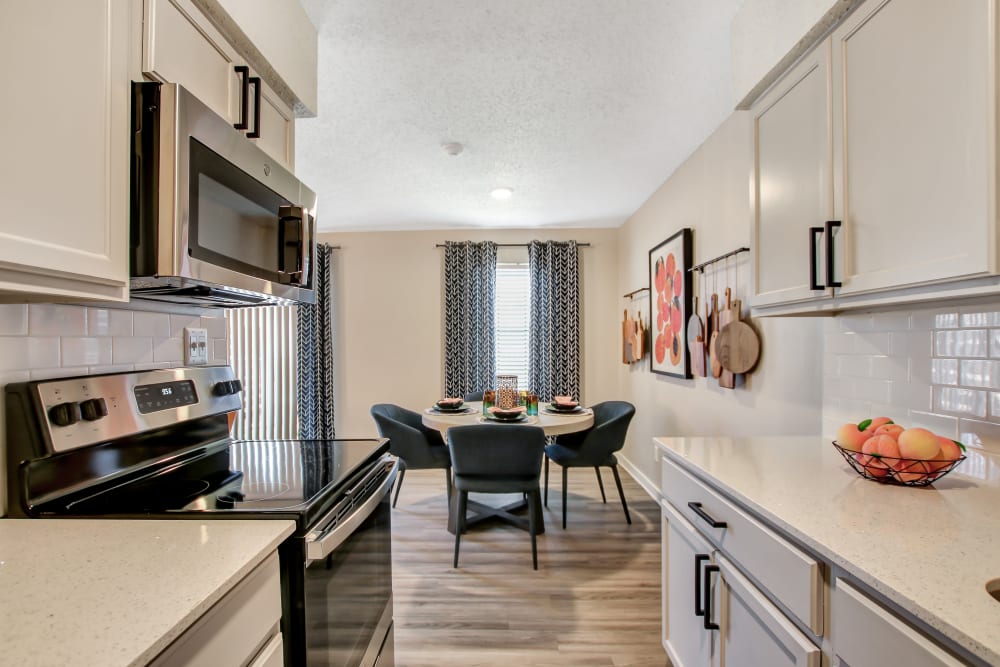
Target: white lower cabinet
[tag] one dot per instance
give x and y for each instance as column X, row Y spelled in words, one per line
column 241, row 629
column 714, row 616
column 866, row 634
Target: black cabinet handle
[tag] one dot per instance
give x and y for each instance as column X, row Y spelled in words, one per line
column 244, row 73
column 255, row 132
column 813, row 233
column 709, row 625
column 705, row 516
column 830, row 225
column 699, row 610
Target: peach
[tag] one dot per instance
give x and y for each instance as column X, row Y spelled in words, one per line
column 892, row 430
column 879, row 421
column 911, row 471
column 886, row 445
column 950, row 451
column 849, row 437
column 870, row 457
column 918, row 443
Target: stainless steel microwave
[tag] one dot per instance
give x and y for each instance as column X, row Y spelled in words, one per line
column 215, row 221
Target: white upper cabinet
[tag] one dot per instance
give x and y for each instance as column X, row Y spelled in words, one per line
column 64, row 127
column 883, row 140
column 793, row 180
column 181, row 45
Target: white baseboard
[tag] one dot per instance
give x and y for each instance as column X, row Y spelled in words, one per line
column 648, row 486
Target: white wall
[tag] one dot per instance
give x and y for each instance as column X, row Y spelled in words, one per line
column 709, row 193
column 39, row 341
column 390, row 320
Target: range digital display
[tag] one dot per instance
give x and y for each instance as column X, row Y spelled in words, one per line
column 165, row 395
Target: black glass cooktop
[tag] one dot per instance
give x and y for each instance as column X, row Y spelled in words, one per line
column 249, row 478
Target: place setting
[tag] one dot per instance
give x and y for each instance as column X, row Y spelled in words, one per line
column 565, row 405
column 515, row 415
column 450, row 406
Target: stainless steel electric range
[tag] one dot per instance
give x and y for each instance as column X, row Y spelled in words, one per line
column 156, row 444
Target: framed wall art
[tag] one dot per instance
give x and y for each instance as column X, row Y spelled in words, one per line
column 670, row 305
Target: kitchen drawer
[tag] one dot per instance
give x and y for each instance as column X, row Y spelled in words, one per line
column 792, row 577
column 865, row 634
column 234, row 630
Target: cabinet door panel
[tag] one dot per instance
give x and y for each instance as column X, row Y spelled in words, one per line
column 277, row 128
column 64, row 130
column 912, row 108
column 685, row 639
column 792, row 185
column 180, row 46
column 754, row 632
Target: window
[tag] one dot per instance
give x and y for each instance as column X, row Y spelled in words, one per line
column 512, row 314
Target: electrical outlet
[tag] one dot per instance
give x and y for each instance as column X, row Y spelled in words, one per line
column 195, row 346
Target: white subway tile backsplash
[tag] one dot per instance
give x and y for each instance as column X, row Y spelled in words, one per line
column 871, row 342
column 980, row 319
column 917, row 344
column 112, row 368
column 109, row 322
column 168, row 349
column 154, row 325
column 838, row 343
column 220, row 352
column 61, row 371
column 979, row 434
column 910, row 395
column 979, row 373
column 965, row 401
column 855, row 322
column 149, row 366
column 179, row 322
column 46, row 319
column 961, row 343
column 872, row 390
column 946, row 321
column 890, row 368
column 217, row 326
column 995, row 343
column 892, row 321
column 132, row 350
column 854, row 365
column 13, row 319
column 944, row 371
column 86, row 351
column 921, row 320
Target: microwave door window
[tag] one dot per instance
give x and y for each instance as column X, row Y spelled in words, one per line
column 234, row 219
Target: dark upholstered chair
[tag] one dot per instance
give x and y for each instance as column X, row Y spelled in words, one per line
column 417, row 446
column 497, row 458
column 473, row 396
column 593, row 448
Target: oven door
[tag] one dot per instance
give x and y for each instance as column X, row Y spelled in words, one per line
column 348, row 581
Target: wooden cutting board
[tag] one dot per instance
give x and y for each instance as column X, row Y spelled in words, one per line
column 739, row 346
column 628, row 331
column 717, row 323
column 639, row 340
column 727, row 379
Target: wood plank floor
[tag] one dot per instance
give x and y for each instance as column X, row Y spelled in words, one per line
column 594, row 601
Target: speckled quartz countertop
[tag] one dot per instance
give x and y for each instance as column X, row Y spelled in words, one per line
column 930, row 550
column 104, row 592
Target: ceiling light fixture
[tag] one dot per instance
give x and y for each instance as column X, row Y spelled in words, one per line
column 452, row 147
column 502, row 193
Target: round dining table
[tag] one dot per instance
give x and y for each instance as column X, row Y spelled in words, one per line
column 551, row 422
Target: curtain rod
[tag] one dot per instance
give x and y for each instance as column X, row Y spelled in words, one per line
column 523, row 245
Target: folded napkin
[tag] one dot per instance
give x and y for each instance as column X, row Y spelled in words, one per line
column 508, row 411
column 565, row 401
column 450, row 402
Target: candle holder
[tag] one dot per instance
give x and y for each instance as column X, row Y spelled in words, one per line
column 506, row 391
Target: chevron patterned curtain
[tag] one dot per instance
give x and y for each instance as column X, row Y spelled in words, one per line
column 315, row 353
column 554, row 338
column 469, row 294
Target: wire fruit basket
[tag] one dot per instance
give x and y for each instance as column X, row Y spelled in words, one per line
column 892, row 470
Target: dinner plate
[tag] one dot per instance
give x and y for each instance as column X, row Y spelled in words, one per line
column 464, row 410
column 563, row 411
column 519, row 417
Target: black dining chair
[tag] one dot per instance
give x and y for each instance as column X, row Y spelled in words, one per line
column 473, row 396
column 593, row 448
column 417, row 446
column 498, row 458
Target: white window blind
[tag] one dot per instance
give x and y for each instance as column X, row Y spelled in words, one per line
column 512, row 315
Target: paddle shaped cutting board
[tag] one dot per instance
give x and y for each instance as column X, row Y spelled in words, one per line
column 739, row 346
column 727, row 379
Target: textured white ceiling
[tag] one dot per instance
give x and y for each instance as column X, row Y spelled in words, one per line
column 583, row 107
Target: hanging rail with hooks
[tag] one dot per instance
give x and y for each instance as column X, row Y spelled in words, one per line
column 701, row 267
column 635, row 291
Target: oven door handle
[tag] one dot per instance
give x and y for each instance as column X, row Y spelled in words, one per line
column 321, row 543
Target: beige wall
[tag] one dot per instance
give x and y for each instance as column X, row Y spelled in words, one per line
column 389, row 316
column 709, row 193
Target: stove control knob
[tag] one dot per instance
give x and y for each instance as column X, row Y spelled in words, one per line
column 93, row 409
column 224, row 388
column 64, row 414
column 237, row 386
